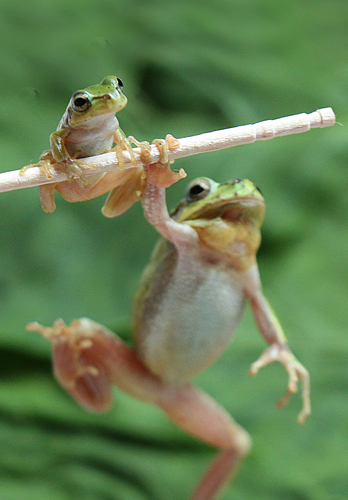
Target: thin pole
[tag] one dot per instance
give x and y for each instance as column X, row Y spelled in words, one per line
column 188, row 146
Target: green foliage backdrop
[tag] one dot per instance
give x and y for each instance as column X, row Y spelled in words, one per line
column 188, row 67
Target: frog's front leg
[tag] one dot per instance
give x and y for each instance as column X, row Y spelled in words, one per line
column 155, row 207
column 160, row 173
column 46, row 160
column 124, row 143
column 278, row 349
column 170, row 143
column 59, row 156
column 88, row 358
column 67, row 163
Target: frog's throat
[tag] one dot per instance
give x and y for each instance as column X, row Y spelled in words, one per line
column 225, row 208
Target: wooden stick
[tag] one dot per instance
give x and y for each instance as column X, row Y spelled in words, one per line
column 188, row 146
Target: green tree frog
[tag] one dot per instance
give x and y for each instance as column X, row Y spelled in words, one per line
column 89, row 127
column 189, row 302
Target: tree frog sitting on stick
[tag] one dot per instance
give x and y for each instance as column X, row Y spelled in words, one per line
column 89, row 127
column 189, row 302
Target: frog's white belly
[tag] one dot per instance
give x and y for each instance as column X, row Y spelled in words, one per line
column 194, row 321
column 95, row 136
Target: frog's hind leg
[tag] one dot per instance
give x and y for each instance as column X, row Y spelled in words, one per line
column 197, row 413
column 46, row 192
column 88, row 358
column 123, row 196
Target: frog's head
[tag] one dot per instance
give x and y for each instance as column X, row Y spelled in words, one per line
column 233, row 201
column 106, row 97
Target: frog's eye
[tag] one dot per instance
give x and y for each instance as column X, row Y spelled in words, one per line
column 120, row 83
column 80, row 102
column 197, row 190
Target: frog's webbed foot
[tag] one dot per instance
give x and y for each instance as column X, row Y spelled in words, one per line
column 88, row 358
column 296, row 371
column 78, row 362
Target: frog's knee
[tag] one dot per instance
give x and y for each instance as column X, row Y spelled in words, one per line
column 242, row 441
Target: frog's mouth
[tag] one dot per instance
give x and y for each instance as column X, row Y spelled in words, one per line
column 232, row 210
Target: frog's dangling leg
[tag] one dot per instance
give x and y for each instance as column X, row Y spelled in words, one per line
column 46, row 192
column 75, row 368
column 197, row 413
column 122, row 197
column 88, row 358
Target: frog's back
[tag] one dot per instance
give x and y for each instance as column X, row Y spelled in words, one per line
column 185, row 313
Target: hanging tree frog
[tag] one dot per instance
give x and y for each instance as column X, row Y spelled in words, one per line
column 189, row 302
column 89, row 127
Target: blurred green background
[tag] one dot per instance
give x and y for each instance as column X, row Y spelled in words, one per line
column 188, row 67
